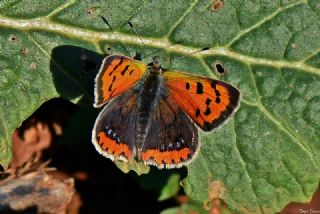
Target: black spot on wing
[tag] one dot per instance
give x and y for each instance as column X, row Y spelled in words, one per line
column 213, row 84
column 187, row 86
column 207, row 112
column 110, row 87
column 208, row 101
column 199, row 88
column 116, row 67
column 123, row 72
column 197, row 112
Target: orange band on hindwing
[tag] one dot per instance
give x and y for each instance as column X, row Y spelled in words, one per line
column 113, row 147
column 166, row 157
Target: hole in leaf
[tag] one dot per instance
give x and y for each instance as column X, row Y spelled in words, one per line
column 90, row 11
column 109, row 50
column 219, row 68
column 12, row 38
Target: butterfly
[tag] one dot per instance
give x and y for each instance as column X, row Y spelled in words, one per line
column 153, row 114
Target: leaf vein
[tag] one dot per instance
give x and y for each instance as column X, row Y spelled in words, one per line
column 295, row 178
column 262, row 21
column 57, row 64
column 289, row 133
column 182, row 18
column 286, row 130
column 243, row 163
column 61, row 8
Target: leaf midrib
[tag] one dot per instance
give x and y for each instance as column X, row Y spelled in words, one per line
column 95, row 37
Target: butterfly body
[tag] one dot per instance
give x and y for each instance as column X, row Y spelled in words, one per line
column 151, row 91
column 151, row 112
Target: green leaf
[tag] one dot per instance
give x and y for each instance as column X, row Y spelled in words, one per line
column 184, row 209
column 171, row 188
column 266, row 156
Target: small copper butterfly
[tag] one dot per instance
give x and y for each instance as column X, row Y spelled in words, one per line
column 152, row 114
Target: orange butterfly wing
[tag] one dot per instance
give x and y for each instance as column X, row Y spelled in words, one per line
column 208, row 102
column 116, row 75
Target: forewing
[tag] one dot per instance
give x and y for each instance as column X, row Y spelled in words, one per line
column 116, row 75
column 172, row 139
column 207, row 101
column 114, row 129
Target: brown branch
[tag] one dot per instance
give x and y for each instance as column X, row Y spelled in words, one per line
column 35, row 192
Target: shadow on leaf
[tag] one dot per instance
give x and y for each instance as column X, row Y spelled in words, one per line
column 73, row 71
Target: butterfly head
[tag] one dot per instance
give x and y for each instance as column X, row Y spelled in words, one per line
column 155, row 66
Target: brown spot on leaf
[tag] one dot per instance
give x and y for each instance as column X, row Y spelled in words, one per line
column 216, row 192
column 216, row 5
column 216, row 189
column 25, row 51
column 33, row 65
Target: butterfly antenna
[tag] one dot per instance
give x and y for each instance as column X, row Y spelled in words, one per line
column 157, row 51
column 122, row 45
column 137, row 34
